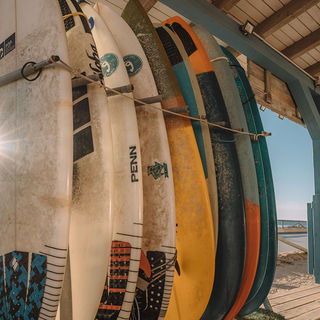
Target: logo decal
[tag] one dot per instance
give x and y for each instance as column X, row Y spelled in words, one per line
column 109, row 64
column 158, row 170
column 133, row 64
column 7, row 46
column 91, row 21
column 133, row 164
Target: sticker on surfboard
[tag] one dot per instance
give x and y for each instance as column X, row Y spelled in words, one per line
column 158, row 170
column 133, row 64
column 109, row 64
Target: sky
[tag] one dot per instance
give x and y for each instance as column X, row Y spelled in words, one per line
column 290, row 150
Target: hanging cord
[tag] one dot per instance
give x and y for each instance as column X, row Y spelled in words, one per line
column 219, row 58
column 80, row 75
column 74, row 15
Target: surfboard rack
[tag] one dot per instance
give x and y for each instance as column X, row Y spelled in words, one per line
column 124, row 89
column 28, row 69
column 183, row 109
column 79, row 82
column 149, row 100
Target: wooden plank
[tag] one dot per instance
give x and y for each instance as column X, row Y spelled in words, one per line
column 279, row 302
column 314, row 69
column 290, row 243
column 309, row 21
column 262, row 7
column 225, row 5
column 251, row 11
column 304, row 45
column 290, row 314
column 282, row 101
column 293, row 291
column 311, row 315
column 296, row 303
column 283, row 16
column 148, row 4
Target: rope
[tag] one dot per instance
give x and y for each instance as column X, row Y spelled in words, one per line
column 219, row 58
column 73, row 15
column 77, row 73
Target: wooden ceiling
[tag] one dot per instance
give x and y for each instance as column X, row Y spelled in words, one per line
column 291, row 26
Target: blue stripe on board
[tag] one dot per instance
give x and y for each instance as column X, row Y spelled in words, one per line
column 182, row 76
column 36, row 286
column 3, row 308
column 16, row 277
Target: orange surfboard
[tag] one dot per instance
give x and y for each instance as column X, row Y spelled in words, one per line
column 202, row 65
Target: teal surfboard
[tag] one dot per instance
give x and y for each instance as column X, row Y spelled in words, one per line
column 257, row 297
column 264, row 239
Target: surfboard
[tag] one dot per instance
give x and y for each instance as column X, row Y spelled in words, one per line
column 256, row 299
column 192, row 95
column 231, row 237
column 159, row 223
column 264, row 241
column 195, row 238
column 225, row 81
column 93, row 170
column 119, row 292
column 35, row 161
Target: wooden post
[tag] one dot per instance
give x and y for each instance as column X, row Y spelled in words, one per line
column 316, row 236
column 310, row 238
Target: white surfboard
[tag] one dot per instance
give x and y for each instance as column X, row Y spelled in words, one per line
column 35, row 161
column 93, row 170
column 118, row 296
column 159, row 225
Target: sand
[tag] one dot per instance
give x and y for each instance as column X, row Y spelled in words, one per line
column 291, row 272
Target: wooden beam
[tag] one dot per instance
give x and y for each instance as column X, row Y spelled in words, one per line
column 148, row 4
column 225, row 5
column 283, row 16
column 314, row 69
column 233, row 51
column 272, row 93
column 302, row 46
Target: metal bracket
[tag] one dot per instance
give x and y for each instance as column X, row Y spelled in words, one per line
column 267, row 86
column 29, row 70
column 79, row 82
column 149, row 100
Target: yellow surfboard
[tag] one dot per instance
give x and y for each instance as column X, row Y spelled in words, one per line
column 193, row 278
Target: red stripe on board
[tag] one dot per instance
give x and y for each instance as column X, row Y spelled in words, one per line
column 119, row 244
column 114, row 258
column 119, row 277
column 120, row 267
column 109, row 307
column 117, row 290
column 120, row 250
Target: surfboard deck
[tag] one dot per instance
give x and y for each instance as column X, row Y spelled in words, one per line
column 93, row 170
column 195, row 239
column 159, row 224
column 127, row 211
column 231, row 237
column 192, row 95
column 35, row 161
column 264, row 240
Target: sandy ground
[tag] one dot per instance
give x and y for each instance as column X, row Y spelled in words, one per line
column 291, row 272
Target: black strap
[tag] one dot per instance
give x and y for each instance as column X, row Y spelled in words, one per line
column 23, row 69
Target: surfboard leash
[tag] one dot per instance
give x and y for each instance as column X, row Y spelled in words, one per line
column 77, row 73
